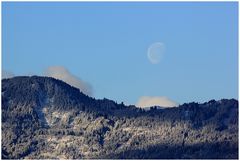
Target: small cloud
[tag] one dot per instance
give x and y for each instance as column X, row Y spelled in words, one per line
column 147, row 101
column 7, row 74
column 60, row 72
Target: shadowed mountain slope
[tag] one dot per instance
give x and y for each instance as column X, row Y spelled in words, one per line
column 45, row 118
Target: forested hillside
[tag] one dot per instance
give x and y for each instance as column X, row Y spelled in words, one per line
column 45, row 118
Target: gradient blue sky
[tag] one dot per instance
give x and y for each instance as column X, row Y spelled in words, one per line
column 106, row 45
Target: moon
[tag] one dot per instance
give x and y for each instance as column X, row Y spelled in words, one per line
column 156, row 52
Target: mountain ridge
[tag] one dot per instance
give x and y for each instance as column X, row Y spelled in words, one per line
column 42, row 112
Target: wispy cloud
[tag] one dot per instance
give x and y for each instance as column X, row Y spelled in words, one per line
column 60, row 72
column 147, row 101
column 7, row 74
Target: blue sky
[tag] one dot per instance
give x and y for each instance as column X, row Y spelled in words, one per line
column 106, row 45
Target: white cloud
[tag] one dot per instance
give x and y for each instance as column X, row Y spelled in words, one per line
column 7, row 74
column 60, row 72
column 147, row 101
